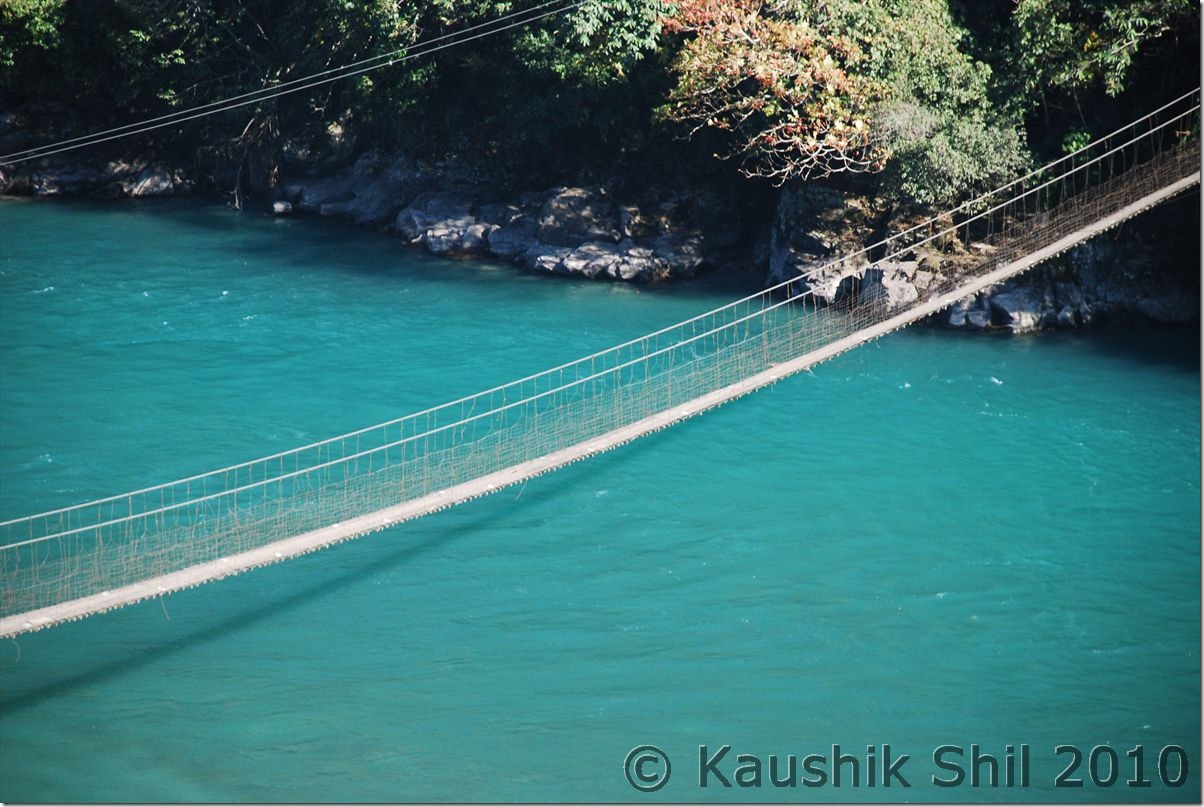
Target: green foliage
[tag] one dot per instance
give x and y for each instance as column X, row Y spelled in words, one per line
column 947, row 140
column 601, row 42
column 917, row 49
column 1074, row 44
column 939, row 159
column 127, row 59
column 27, row 26
column 1074, row 141
column 930, row 102
column 568, row 90
column 813, row 87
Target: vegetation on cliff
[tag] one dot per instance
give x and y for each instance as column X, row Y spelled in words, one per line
column 925, row 101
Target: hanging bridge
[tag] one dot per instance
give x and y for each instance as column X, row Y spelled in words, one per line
column 92, row 557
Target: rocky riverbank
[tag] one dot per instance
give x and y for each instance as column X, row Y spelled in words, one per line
column 589, row 231
column 1147, row 270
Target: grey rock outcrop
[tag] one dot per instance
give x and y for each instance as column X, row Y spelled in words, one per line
column 369, row 193
column 439, row 221
column 513, row 239
column 549, row 260
column 593, row 259
column 66, row 182
column 108, row 179
column 150, row 181
column 815, row 235
column 310, row 196
column 889, row 287
column 978, row 320
column 1146, row 271
column 625, row 260
column 565, row 231
column 1021, row 310
column 444, row 209
column 573, row 216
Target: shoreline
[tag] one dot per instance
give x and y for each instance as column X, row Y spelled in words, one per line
column 593, row 232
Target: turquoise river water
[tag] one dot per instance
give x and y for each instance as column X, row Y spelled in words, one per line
column 936, row 539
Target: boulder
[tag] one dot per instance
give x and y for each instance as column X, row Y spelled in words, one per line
column 513, row 240
column 602, row 260
column 375, row 198
column 634, row 224
column 641, row 265
column 67, row 181
column 828, row 286
column 887, row 287
column 816, row 234
column 681, row 255
column 1021, row 310
column 310, row 195
column 499, row 214
column 441, row 240
column 963, row 305
column 549, row 260
column 475, row 239
column 114, row 179
column 444, row 210
column 443, row 222
column 978, row 320
column 957, row 315
column 572, row 216
column 454, row 239
column 596, row 258
column 150, row 181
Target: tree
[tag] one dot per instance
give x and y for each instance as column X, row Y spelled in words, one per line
column 947, row 138
column 129, row 59
column 791, row 96
column 28, row 26
column 811, row 88
column 1071, row 46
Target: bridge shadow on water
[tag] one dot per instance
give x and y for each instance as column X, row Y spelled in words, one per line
column 140, row 651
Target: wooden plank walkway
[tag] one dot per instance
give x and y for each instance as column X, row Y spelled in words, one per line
column 388, row 517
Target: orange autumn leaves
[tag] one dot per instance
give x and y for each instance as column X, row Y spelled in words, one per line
column 789, row 94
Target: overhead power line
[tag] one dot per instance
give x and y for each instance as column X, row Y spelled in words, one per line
column 443, row 42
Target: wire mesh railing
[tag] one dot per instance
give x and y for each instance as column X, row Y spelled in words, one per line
column 98, row 546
